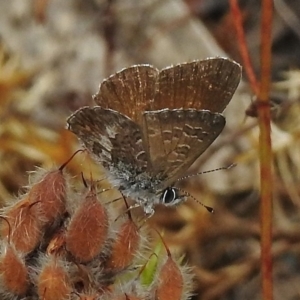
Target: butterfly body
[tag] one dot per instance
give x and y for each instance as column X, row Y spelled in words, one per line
column 142, row 187
column 150, row 126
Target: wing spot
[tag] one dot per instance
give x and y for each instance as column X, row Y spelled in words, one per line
column 97, row 148
column 167, row 135
column 183, row 149
column 190, row 131
column 177, row 131
column 141, row 156
column 151, row 132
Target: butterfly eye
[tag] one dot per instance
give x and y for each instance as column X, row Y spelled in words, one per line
column 169, row 196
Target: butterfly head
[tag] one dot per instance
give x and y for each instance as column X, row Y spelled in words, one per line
column 171, row 197
column 167, row 197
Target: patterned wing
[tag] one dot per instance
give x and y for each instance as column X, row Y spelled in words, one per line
column 110, row 137
column 130, row 91
column 205, row 84
column 176, row 138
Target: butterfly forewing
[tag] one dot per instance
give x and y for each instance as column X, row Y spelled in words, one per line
column 175, row 138
column 129, row 91
column 112, row 138
column 206, row 84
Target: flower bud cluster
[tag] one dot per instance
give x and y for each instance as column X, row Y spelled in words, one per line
column 58, row 243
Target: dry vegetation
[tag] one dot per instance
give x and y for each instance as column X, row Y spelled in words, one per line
column 53, row 55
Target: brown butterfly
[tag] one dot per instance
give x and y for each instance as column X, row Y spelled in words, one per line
column 151, row 125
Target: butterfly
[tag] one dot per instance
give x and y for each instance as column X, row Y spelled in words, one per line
column 149, row 126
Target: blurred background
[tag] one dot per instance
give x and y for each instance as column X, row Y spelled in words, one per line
column 54, row 54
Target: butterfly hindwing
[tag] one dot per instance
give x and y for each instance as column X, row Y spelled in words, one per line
column 176, row 138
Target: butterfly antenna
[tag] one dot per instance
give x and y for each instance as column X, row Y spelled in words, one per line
column 208, row 208
column 205, row 172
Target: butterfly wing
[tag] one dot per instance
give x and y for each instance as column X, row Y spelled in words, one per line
column 130, row 91
column 111, row 138
column 176, row 138
column 203, row 84
column 206, row 84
